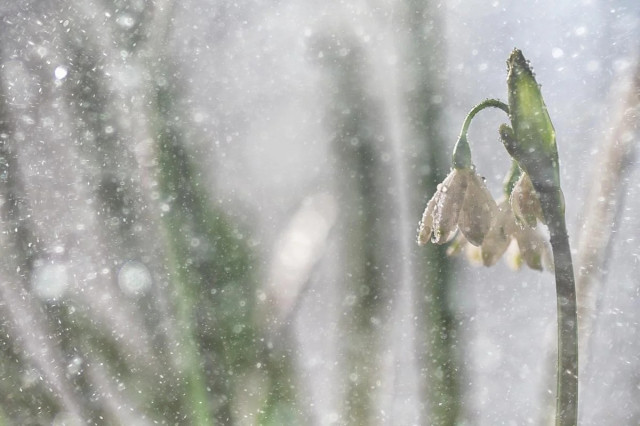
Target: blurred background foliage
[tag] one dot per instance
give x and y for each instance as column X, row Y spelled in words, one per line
column 208, row 212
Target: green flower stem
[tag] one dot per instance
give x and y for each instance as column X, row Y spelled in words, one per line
column 462, row 152
column 567, row 391
column 532, row 143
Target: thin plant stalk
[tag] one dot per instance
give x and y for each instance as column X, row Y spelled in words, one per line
column 567, row 369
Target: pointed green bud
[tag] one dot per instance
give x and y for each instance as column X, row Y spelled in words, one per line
column 532, row 141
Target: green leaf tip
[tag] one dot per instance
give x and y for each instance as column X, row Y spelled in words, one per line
column 533, row 140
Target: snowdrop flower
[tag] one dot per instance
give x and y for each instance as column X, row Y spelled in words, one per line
column 521, row 245
column 462, row 202
column 530, row 245
column 525, row 202
column 533, row 249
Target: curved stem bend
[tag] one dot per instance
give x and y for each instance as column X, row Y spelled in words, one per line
column 462, row 151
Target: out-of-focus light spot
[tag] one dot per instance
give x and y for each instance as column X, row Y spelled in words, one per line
column 198, row 117
column 50, row 281
column 299, row 248
column 580, row 31
column 75, row 366
column 42, row 51
column 134, row 278
column 557, row 53
column 125, row 21
column 620, row 65
column 593, row 66
column 60, row 72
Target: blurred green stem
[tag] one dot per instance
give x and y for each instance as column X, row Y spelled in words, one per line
column 196, row 398
column 172, row 167
column 567, row 372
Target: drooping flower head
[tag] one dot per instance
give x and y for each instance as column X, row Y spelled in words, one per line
column 462, row 202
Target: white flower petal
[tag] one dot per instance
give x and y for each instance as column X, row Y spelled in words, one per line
column 525, row 202
column 498, row 238
column 448, row 206
column 532, row 247
column 478, row 211
column 425, row 226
